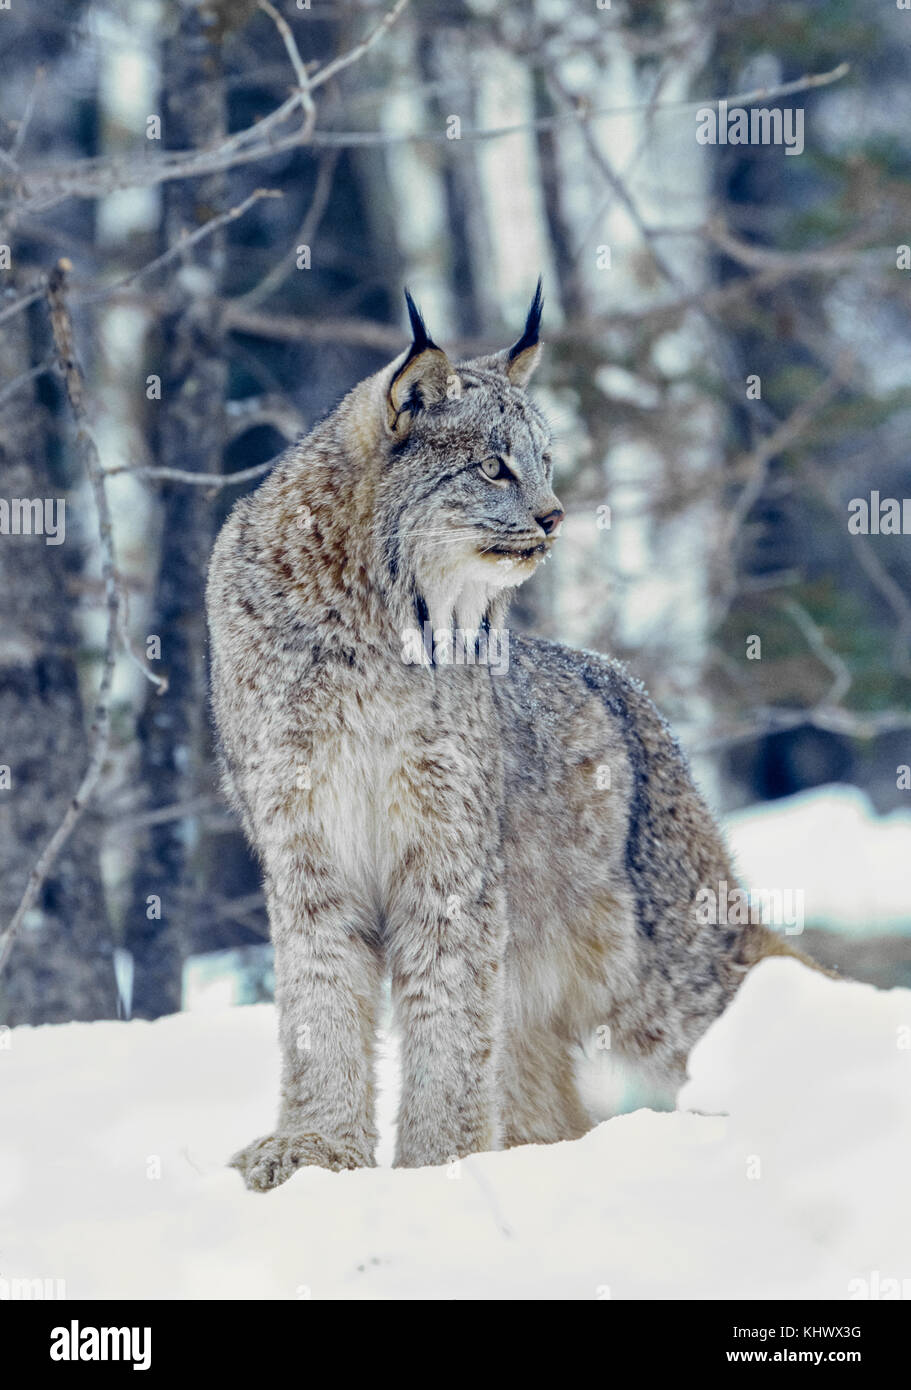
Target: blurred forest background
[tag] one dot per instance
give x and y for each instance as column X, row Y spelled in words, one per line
column 239, row 191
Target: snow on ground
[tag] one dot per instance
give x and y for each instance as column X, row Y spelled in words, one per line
column 800, row 1189
column 853, row 866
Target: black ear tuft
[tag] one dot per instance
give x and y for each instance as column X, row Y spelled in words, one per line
column 422, row 379
column 421, row 339
column 532, row 328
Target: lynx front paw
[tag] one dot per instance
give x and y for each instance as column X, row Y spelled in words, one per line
column 270, row 1161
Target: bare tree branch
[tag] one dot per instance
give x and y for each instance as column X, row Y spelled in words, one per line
column 863, row 547
column 359, row 138
column 22, row 302
column 93, row 177
column 183, row 245
column 18, row 382
column 288, row 39
column 276, row 276
column 385, row 337
column 323, row 74
column 755, row 467
column 243, row 415
column 180, row 475
column 816, row 639
column 297, row 62
column 267, row 409
column 26, row 118
column 129, row 824
column 290, row 328
column 771, row 720
column 752, row 257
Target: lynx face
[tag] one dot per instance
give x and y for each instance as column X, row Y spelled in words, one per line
column 466, row 502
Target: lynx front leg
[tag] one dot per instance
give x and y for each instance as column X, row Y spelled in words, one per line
column 446, row 959
column 326, row 983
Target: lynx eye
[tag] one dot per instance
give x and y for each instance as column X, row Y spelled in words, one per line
column 495, row 470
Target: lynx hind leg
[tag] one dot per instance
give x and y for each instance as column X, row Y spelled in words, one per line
column 636, row 1057
column 540, row 1099
column 614, row 1084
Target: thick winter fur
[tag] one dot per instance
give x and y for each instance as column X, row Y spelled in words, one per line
column 450, row 825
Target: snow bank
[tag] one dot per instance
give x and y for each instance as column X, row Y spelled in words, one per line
column 853, row 866
column 113, row 1138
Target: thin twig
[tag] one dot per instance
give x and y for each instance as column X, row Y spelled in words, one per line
column 753, row 257
column 160, row 682
column 289, row 41
column 297, row 62
column 816, row 638
column 371, row 137
column 18, row 382
column 863, row 548
column 64, row 341
column 243, row 415
column 123, row 823
column 276, row 276
column 183, row 244
column 754, row 466
column 180, row 475
column 322, row 75
column 269, row 408
column 25, row 122
column 775, row 720
column 22, row 302
column 290, row 328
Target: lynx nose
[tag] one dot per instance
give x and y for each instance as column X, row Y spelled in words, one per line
column 551, row 521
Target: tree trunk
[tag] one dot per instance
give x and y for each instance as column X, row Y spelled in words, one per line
column 61, row 967
column 173, row 729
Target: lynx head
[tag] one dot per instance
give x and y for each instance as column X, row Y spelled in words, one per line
column 464, row 503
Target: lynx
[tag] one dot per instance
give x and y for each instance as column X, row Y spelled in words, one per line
column 518, row 850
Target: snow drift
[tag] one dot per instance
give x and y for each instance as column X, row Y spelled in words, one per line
column 114, row 1136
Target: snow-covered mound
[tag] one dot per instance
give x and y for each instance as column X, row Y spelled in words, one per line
column 113, row 1139
column 852, row 866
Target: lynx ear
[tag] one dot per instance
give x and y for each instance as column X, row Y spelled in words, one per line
column 522, row 357
column 421, row 380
